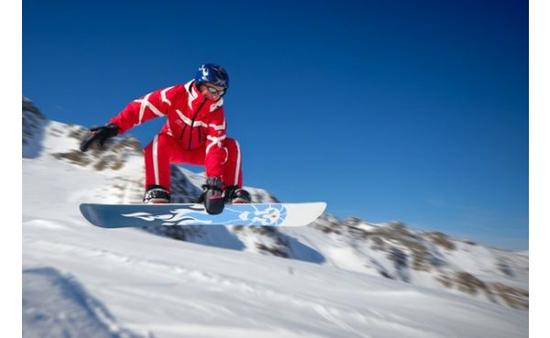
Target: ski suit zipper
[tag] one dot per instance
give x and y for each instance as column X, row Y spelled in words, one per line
column 192, row 124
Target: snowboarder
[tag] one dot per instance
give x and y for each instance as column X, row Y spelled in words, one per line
column 194, row 133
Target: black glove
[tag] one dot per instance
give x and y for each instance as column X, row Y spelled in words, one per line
column 99, row 135
column 213, row 195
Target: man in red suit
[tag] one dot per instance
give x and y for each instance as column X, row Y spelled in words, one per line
column 194, row 133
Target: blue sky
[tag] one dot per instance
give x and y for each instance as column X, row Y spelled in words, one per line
column 404, row 110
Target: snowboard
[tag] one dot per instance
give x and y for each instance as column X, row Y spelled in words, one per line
column 170, row 214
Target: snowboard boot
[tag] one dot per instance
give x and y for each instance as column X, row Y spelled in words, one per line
column 156, row 194
column 235, row 195
column 212, row 196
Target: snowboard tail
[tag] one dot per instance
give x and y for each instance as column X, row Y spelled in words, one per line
column 250, row 214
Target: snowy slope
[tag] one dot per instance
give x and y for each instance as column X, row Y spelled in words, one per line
column 133, row 283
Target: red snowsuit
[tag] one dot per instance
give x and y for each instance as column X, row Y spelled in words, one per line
column 194, row 133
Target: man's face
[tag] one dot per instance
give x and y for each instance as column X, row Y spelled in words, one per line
column 211, row 91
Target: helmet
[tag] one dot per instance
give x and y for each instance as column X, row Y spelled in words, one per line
column 213, row 74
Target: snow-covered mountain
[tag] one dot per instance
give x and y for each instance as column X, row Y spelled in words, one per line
column 333, row 278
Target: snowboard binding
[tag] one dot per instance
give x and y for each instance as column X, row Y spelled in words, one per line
column 156, row 194
column 235, row 195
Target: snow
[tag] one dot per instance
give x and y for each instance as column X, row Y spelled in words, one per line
column 155, row 285
column 80, row 280
column 56, row 305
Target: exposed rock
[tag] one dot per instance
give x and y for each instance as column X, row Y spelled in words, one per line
column 514, row 297
column 441, row 239
column 33, row 125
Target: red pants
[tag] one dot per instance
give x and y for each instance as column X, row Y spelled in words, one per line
column 164, row 150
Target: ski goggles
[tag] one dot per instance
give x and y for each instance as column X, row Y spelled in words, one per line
column 215, row 91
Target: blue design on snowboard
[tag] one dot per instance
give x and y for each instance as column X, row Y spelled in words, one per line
column 253, row 214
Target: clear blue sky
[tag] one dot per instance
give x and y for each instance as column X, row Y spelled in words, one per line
column 387, row 110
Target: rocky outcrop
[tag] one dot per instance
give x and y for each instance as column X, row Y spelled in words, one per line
column 33, row 126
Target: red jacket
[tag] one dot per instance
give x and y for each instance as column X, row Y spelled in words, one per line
column 192, row 119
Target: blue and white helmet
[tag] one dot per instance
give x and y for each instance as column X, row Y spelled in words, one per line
column 213, row 74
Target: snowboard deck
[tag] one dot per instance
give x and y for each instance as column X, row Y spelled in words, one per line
column 170, row 214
